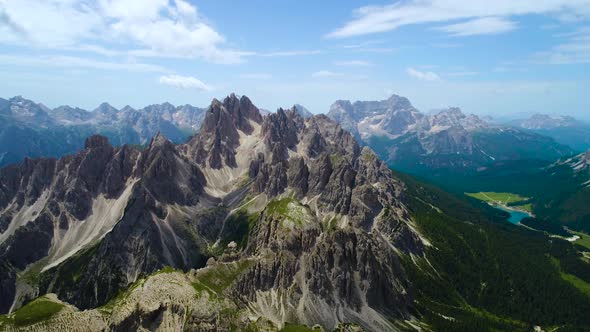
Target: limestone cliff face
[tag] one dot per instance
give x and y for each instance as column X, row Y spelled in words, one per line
column 326, row 234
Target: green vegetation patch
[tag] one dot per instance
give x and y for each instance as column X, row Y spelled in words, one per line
column 123, row 295
column 71, row 271
column 217, row 278
column 166, row 269
column 507, row 199
column 237, row 228
column 336, row 158
column 299, row 328
column 38, row 310
column 502, row 198
column 33, row 273
column 584, row 239
column 294, row 213
column 580, row 284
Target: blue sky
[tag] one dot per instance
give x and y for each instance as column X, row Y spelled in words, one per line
column 503, row 58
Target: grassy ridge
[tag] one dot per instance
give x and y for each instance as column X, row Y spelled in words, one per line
column 38, row 310
column 219, row 277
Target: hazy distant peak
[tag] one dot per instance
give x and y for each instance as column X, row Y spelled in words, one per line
column 127, row 108
column 547, row 121
column 396, row 116
column 105, row 107
column 304, row 112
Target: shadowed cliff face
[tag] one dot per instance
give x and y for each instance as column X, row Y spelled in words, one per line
column 327, row 224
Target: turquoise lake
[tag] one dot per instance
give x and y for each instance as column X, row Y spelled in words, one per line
column 515, row 216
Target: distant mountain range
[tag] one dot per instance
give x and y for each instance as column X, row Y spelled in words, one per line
column 564, row 129
column 441, row 142
column 29, row 129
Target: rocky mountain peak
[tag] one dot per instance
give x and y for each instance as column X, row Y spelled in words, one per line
column 160, row 141
column 399, row 102
column 304, row 112
column 96, row 141
column 67, row 114
column 127, row 108
column 391, row 117
column 546, row 121
column 105, row 108
column 164, row 111
column 219, row 135
column 453, row 117
column 27, row 111
column 232, row 112
column 20, row 100
column 167, row 105
column 449, row 115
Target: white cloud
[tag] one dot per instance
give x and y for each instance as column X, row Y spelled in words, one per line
column 356, row 63
column 480, row 26
column 371, row 46
column 77, row 62
column 184, row 82
column 375, row 19
column 171, row 28
column 574, row 48
column 423, row 75
column 325, row 73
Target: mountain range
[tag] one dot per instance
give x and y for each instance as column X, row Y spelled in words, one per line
column 29, row 129
column 435, row 144
column 564, row 129
column 265, row 223
column 245, row 186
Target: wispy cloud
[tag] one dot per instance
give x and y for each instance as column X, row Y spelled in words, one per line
column 371, row 46
column 573, row 48
column 423, row 75
column 77, row 62
column 366, row 43
column 375, row 19
column 184, row 82
column 325, row 73
column 353, row 63
column 479, row 26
